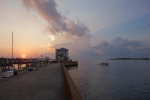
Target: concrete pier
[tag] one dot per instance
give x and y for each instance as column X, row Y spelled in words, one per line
column 47, row 83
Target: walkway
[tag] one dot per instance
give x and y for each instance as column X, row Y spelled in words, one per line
column 47, row 83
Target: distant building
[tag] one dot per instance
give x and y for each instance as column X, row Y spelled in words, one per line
column 62, row 54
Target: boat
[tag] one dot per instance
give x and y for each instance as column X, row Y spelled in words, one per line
column 7, row 73
column 104, row 64
column 6, row 68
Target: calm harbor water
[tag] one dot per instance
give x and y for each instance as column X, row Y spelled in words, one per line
column 22, row 65
column 121, row 80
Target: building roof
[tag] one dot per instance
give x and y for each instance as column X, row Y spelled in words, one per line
column 62, row 49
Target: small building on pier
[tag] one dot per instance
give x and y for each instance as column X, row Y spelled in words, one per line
column 62, row 55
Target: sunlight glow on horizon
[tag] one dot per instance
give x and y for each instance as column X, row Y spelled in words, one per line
column 23, row 56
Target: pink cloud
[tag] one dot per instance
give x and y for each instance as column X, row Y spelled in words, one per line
column 56, row 22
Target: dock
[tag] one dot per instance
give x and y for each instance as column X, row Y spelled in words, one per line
column 47, row 83
column 44, row 84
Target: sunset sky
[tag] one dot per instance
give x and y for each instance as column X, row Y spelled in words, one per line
column 88, row 28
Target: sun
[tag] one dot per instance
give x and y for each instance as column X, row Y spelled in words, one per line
column 23, row 56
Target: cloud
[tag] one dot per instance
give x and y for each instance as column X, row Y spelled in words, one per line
column 81, row 47
column 146, row 27
column 56, row 22
column 77, row 47
column 120, row 47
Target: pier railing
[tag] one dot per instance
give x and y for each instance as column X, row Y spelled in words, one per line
column 72, row 91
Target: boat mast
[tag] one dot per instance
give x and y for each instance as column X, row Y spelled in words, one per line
column 12, row 49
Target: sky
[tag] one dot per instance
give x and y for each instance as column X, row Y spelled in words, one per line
column 90, row 29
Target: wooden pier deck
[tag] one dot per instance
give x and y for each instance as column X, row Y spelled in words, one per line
column 47, row 83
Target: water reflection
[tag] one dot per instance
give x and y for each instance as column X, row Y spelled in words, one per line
column 21, row 67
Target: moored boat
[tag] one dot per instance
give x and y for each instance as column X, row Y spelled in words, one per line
column 6, row 71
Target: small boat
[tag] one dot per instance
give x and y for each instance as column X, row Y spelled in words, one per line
column 6, row 70
column 8, row 73
column 104, row 64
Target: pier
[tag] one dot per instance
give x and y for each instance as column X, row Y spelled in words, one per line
column 6, row 63
column 47, row 83
column 50, row 80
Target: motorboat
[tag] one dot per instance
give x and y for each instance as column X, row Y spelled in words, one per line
column 104, row 64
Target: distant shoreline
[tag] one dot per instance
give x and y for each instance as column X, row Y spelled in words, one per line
column 129, row 59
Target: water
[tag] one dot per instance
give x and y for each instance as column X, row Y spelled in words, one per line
column 121, row 80
column 22, row 66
